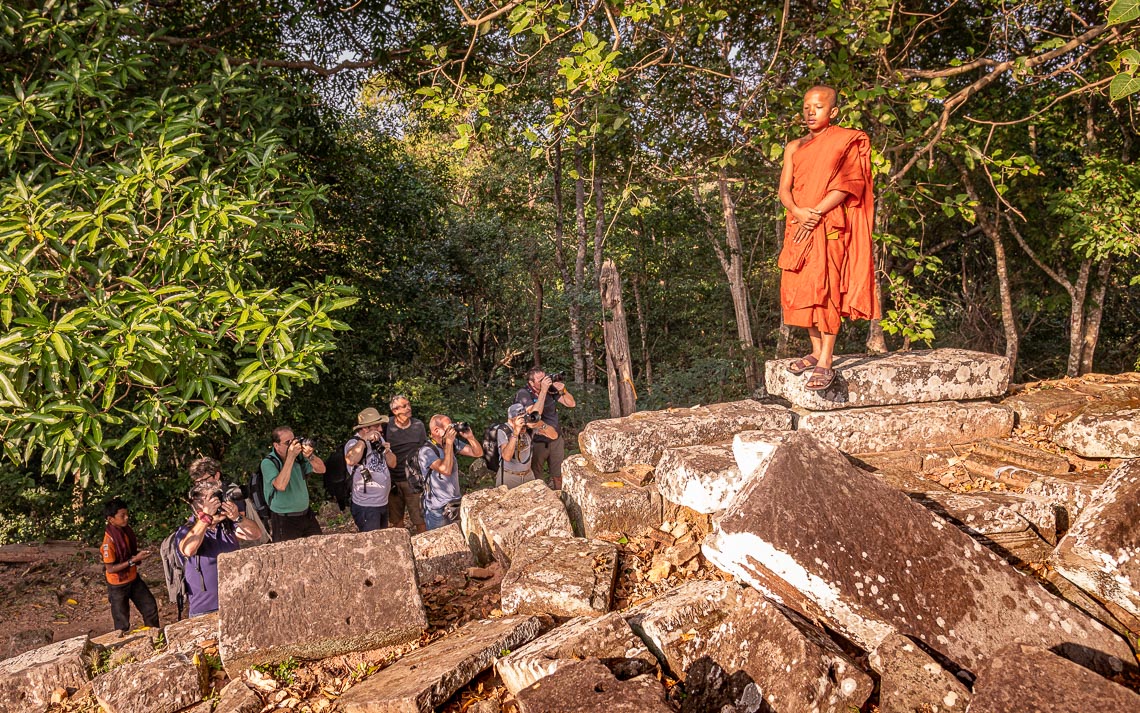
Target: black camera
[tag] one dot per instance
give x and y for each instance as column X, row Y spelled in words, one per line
column 461, row 427
column 228, row 493
column 305, row 442
column 557, row 378
column 533, row 416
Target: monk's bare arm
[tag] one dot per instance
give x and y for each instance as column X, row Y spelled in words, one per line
column 831, row 200
column 786, row 179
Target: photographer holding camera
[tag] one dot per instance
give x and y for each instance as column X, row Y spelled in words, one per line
column 207, row 469
column 440, row 467
column 516, row 448
column 369, row 459
column 215, row 527
column 283, row 473
column 540, row 397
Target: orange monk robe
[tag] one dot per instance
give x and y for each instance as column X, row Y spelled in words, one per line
column 831, row 274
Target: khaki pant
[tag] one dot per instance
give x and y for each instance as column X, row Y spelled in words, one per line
column 512, row 479
column 401, row 497
column 552, row 454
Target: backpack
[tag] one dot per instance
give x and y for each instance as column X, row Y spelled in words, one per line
column 337, row 483
column 257, row 488
column 174, row 571
column 491, row 455
column 413, row 474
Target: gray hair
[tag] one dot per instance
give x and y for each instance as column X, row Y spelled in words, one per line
column 398, row 397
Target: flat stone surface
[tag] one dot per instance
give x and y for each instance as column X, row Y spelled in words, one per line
column 191, row 634
column 1101, row 552
column 441, row 553
column 599, row 503
column 606, row 637
column 1071, row 492
column 891, row 428
column 1023, row 456
column 429, row 676
column 237, row 697
column 1027, row 679
column 18, row 642
column 588, row 687
column 991, row 513
column 740, row 630
column 700, row 477
column 560, row 576
column 896, row 378
column 910, row 680
column 1059, row 401
column 1102, row 434
column 317, row 597
column 27, row 680
column 164, row 684
column 877, row 563
column 498, row 521
column 642, row 437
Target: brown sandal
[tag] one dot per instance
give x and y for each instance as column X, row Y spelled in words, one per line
column 821, row 378
column 802, row 364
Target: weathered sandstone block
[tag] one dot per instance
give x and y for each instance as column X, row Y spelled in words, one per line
column 894, row 379
column 429, row 676
column 27, row 680
column 992, row 513
column 588, row 687
column 1102, row 434
column 190, row 634
column 607, row 502
column 441, row 552
column 317, row 597
column 877, row 563
column 164, row 684
column 912, row 681
column 1024, row 456
column 560, row 576
column 498, row 521
column 740, row 630
column 700, row 477
column 1101, row 552
column 606, row 637
column 642, row 437
column 1027, row 679
column 1071, row 492
column 890, row 428
column 237, row 697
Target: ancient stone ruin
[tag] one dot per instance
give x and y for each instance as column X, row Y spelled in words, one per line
column 892, row 542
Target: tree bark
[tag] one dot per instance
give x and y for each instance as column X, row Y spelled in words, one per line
column 642, row 328
column 536, row 318
column 1077, row 318
column 733, row 265
column 1094, row 316
column 579, row 273
column 623, row 400
column 559, row 232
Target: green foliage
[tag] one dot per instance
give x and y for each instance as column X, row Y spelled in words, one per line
column 1100, row 211
column 134, row 218
column 282, row 671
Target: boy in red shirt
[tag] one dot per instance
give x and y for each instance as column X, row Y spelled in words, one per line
column 121, row 556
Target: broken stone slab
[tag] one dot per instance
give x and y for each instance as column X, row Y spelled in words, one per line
column 642, row 437
column 132, row 648
column 496, row 522
column 877, row 563
column 607, row 637
column 1071, row 492
column 561, row 576
column 18, row 642
column 317, row 597
column 740, row 630
column 1023, row 456
column 996, row 470
column 164, row 684
column 890, row 428
column 28, row 679
column 587, row 687
column 441, row 552
column 599, row 503
column 1061, row 400
column 702, row 477
column 237, row 697
column 910, row 680
column 191, row 634
column 991, row 513
column 1101, row 552
column 429, row 676
column 893, row 379
column 1098, row 433
column 1115, row 618
column 1028, row 679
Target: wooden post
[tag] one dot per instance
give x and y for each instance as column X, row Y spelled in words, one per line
column 623, row 400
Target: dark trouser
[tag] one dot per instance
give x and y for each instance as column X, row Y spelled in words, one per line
column 369, row 518
column 551, row 453
column 294, row 525
column 121, row 596
column 404, row 496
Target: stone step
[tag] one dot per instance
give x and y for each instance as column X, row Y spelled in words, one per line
column 996, row 470
column 894, row 379
column 1024, row 456
column 913, row 426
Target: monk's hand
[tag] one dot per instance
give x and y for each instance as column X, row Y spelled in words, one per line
column 814, row 217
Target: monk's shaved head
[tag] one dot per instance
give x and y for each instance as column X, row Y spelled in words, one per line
column 830, row 95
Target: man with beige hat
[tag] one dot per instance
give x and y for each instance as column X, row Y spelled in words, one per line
column 369, row 458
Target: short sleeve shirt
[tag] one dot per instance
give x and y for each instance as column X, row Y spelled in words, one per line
column 370, row 478
column 406, row 443
column 526, row 397
column 441, row 489
column 295, row 496
column 520, row 463
column 111, row 556
column 201, row 570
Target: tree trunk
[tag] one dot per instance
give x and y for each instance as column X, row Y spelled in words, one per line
column 536, row 318
column 579, row 273
column 647, row 365
column 559, row 233
column 599, row 244
column 623, row 400
column 734, row 271
column 876, row 339
column 1078, row 295
column 1093, row 318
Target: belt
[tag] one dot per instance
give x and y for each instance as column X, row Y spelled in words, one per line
column 306, row 511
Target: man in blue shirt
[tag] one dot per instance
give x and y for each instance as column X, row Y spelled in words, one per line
column 215, row 528
column 440, row 465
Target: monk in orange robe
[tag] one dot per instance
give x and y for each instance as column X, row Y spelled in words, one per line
column 827, row 271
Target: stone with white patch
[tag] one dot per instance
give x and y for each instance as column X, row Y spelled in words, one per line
column 992, row 513
column 588, row 687
column 607, row 637
column 1102, row 433
column 600, row 503
column 317, row 597
column 560, row 576
column 1028, row 679
column 496, row 521
column 876, row 563
column 792, row 663
column 27, row 679
column 1101, row 552
column 897, row 378
column 910, row 680
column 642, row 437
column 889, row 428
column 441, row 552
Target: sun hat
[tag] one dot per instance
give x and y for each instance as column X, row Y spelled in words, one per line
column 369, row 417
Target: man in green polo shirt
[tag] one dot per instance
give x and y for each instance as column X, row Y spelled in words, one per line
column 283, row 474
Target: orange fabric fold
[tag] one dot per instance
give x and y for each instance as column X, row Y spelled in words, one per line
column 831, row 274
